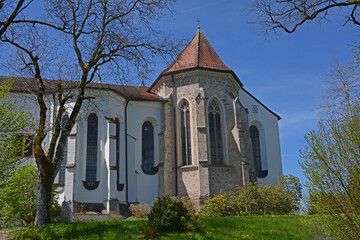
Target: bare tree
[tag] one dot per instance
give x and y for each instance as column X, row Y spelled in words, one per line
column 343, row 89
column 7, row 19
column 288, row 15
column 113, row 34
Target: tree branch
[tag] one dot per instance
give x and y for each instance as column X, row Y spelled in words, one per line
column 13, row 15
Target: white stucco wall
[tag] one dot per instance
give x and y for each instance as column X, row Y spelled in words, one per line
column 267, row 123
column 146, row 189
column 141, row 187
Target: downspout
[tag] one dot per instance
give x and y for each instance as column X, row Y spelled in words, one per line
column 126, row 154
column 175, row 133
column 54, row 111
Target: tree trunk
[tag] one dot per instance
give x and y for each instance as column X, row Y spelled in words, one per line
column 43, row 195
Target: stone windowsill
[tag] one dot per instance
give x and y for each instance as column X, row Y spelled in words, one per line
column 188, row 167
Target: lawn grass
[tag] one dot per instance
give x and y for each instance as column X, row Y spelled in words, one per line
column 235, row 227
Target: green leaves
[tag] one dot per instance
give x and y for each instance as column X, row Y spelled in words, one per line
column 256, row 198
column 331, row 159
column 18, row 197
column 12, row 122
column 171, row 215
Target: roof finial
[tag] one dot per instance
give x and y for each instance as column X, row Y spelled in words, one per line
column 142, row 80
column 98, row 80
column 198, row 27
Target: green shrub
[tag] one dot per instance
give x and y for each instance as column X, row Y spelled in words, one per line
column 293, row 186
column 18, row 198
column 169, row 215
column 190, row 205
column 220, row 205
column 256, row 198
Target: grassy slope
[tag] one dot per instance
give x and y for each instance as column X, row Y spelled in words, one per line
column 244, row 227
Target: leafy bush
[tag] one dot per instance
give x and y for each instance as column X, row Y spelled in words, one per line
column 139, row 210
column 331, row 156
column 170, row 215
column 189, row 204
column 256, row 198
column 11, row 144
column 218, row 206
column 18, row 198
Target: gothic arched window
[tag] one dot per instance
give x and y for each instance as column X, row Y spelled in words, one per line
column 64, row 161
column 216, row 146
column 255, row 140
column 148, row 148
column 185, row 134
column 91, row 152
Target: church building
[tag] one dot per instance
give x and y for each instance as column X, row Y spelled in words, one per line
column 193, row 132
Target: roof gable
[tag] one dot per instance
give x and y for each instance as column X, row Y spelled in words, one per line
column 198, row 53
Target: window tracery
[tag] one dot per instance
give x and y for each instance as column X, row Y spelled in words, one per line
column 185, row 134
column 216, row 145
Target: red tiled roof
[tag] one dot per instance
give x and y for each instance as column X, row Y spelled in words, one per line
column 29, row 85
column 198, row 53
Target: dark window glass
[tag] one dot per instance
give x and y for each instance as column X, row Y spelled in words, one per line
column 185, row 133
column 64, row 161
column 28, row 151
column 148, row 147
column 255, row 139
column 216, row 148
column 21, row 144
column 25, row 147
column 91, row 149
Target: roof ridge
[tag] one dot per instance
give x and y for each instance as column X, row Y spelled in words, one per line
column 69, row 81
column 214, row 51
column 178, row 56
column 198, row 51
column 28, row 85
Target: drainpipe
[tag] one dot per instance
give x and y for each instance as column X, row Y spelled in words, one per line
column 54, row 111
column 175, row 134
column 126, row 153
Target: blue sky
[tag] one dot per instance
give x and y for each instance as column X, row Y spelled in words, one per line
column 287, row 73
